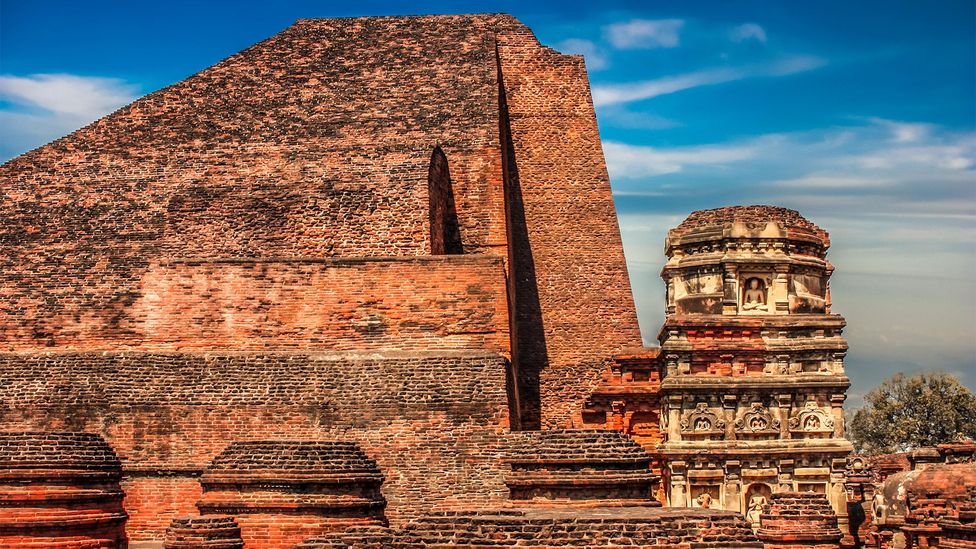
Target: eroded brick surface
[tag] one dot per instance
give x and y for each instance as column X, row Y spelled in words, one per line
column 60, row 490
column 434, row 422
column 210, row 532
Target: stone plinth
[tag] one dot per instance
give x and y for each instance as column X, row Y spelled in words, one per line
column 60, row 490
column 595, row 527
column 211, row 532
column 283, row 492
column 959, row 532
column 583, row 467
column 361, row 537
column 794, row 520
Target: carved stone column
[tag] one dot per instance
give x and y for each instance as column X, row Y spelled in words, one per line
column 679, row 484
column 837, row 411
column 785, row 402
column 730, row 289
column 730, row 404
column 674, row 417
column 781, row 290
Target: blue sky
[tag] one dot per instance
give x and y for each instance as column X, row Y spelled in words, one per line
column 859, row 114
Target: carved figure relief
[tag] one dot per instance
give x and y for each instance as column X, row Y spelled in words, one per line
column 879, row 510
column 702, row 420
column 704, row 500
column 757, row 497
column 754, row 296
column 757, row 420
column 811, row 419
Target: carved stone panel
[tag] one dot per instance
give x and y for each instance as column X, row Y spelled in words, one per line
column 811, row 419
column 702, row 421
column 757, row 421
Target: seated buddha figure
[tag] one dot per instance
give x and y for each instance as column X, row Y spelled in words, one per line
column 754, row 298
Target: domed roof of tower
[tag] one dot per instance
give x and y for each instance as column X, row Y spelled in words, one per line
column 40, row 450
column 308, row 458
column 755, row 220
column 945, row 481
column 576, row 445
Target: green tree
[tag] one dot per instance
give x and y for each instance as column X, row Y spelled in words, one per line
column 907, row 412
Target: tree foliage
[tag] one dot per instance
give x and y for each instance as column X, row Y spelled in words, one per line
column 907, row 412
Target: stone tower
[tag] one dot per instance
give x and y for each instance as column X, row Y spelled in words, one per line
column 754, row 384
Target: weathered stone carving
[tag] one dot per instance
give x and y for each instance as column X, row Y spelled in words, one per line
column 811, row 419
column 754, row 296
column 756, row 361
column 757, row 420
column 702, row 421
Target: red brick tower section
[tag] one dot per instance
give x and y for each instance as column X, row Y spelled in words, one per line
column 203, row 533
column 60, row 490
column 628, row 399
column 798, row 521
column 283, row 492
column 573, row 306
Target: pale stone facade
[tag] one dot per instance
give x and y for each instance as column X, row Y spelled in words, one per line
column 754, row 384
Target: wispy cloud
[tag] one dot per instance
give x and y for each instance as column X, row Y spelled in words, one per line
column 864, row 169
column 635, row 91
column 645, row 33
column 595, row 58
column 42, row 107
column 903, row 132
column 632, row 161
column 67, row 93
column 748, row 31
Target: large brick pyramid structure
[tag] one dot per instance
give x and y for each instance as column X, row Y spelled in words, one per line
column 393, row 231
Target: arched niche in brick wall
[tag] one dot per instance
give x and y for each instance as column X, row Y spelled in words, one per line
column 445, row 231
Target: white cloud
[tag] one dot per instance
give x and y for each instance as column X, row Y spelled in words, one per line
column 635, row 91
column 748, row 31
column 67, row 93
column 595, row 59
column 47, row 106
column 645, row 33
column 633, row 161
column 903, row 132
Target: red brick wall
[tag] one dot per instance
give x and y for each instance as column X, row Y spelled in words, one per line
column 434, row 424
column 574, row 305
column 154, row 500
column 422, row 303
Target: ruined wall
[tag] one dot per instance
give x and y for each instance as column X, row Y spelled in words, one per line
column 421, row 303
column 574, row 306
column 433, row 423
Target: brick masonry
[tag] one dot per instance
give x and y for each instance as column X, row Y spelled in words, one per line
column 210, row 532
column 318, row 143
column 283, row 492
column 434, row 423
